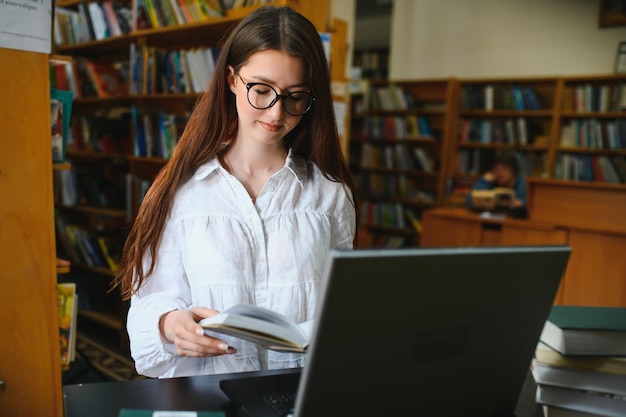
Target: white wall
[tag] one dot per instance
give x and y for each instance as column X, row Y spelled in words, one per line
column 346, row 10
column 499, row 38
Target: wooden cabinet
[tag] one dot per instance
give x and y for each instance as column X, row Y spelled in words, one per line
column 587, row 217
column 455, row 226
column 451, row 227
column 399, row 143
column 592, row 213
column 30, row 368
column 596, row 273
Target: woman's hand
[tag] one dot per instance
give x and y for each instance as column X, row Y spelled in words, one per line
column 489, row 176
column 516, row 203
column 181, row 328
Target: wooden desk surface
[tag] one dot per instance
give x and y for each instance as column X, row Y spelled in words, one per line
column 197, row 393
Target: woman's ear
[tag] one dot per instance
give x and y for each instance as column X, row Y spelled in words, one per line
column 231, row 79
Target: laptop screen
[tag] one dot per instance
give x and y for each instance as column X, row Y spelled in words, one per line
column 427, row 331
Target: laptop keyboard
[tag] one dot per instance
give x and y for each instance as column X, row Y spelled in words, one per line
column 282, row 403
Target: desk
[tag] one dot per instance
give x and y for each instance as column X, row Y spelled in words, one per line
column 197, row 393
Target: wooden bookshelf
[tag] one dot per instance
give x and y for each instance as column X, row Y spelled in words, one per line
column 577, row 133
column 400, row 133
column 494, row 115
column 472, row 116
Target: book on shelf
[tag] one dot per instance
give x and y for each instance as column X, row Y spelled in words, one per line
column 106, row 79
column 259, row 325
column 111, row 249
column 98, row 21
column 60, row 115
column 67, row 301
column 414, row 219
column 593, row 402
column 490, row 97
column 89, row 21
column 586, row 330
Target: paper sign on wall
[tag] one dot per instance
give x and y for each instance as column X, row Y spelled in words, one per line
column 25, row 25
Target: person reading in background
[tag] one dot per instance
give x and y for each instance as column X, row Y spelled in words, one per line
column 253, row 198
column 504, row 173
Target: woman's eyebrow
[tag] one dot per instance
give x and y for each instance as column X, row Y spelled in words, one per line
column 272, row 82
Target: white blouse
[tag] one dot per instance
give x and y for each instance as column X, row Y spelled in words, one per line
column 219, row 249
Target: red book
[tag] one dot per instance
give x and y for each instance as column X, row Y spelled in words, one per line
column 61, row 77
column 106, row 79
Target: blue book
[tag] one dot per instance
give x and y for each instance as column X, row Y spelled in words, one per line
column 518, row 98
column 139, row 135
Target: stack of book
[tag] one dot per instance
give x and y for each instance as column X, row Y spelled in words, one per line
column 580, row 362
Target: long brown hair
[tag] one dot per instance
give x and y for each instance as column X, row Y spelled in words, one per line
column 214, row 120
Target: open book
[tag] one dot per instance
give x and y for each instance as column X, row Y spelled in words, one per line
column 259, row 325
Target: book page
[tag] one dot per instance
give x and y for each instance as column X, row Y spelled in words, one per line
column 307, row 328
column 259, row 314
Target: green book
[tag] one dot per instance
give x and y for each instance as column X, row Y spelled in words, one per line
column 586, row 331
column 129, row 412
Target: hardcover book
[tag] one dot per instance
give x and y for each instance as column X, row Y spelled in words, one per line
column 586, row 380
column 577, row 330
column 592, row 402
column 259, row 325
column 605, row 364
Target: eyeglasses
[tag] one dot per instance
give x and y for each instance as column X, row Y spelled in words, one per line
column 260, row 97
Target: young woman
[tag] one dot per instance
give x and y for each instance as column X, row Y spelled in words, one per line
column 254, row 196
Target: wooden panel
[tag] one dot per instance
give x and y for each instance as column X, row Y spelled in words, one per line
column 490, row 236
column 445, row 230
column 30, row 363
column 528, row 234
column 595, row 206
column 596, row 274
column 525, row 233
column 318, row 12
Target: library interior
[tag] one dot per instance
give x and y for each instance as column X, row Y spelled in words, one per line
column 430, row 98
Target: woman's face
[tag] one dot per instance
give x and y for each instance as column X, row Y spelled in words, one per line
column 504, row 175
column 285, row 74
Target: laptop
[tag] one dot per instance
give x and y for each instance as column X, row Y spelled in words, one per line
column 416, row 332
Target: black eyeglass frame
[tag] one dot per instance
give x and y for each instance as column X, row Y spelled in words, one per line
column 282, row 97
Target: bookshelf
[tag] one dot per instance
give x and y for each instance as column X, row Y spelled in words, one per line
column 591, row 126
column 113, row 161
column 398, row 153
column 576, row 133
column 501, row 114
column 563, row 128
column 372, row 63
